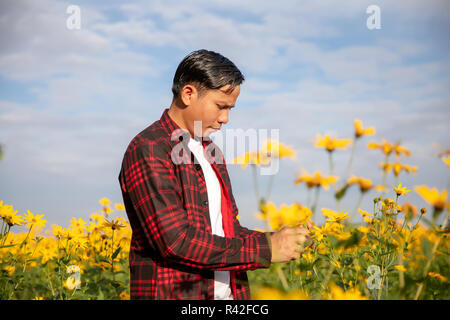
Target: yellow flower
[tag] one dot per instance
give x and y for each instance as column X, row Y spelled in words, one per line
column 388, row 206
column 437, row 275
column 363, row 229
column 330, row 144
column 401, row 190
column 9, row 215
column 400, row 267
column 269, row 293
column 14, row 219
column 104, row 201
column 79, row 241
column 255, row 158
column 265, row 208
column 319, row 233
column 351, row 294
column 275, row 149
column 114, row 225
column 433, row 197
column 398, row 149
column 364, row 184
column 446, row 160
column 38, row 298
column 398, row 167
column 296, row 295
column 77, row 224
column 360, row 131
column 409, row 210
column 107, row 210
column 57, row 231
column 293, row 215
column 119, row 207
column 308, row 256
column 96, row 217
column 363, row 213
column 334, row 216
column 316, row 179
column 409, row 168
column 72, row 269
column 34, row 220
column 388, row 148
column 385, row 146
column 9, row 269
column 48, row 252
column 124, row 296
column 342, row 236
column 125, row 242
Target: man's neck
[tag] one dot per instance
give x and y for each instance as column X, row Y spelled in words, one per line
column 175, row 114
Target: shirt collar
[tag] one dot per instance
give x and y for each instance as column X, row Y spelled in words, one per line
column 180, row 134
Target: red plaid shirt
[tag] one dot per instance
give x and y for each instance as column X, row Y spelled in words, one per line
column 173, row 253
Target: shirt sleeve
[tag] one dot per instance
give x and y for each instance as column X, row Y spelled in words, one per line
column 156, row 194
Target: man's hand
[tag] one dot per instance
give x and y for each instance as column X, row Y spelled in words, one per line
column 288, row 243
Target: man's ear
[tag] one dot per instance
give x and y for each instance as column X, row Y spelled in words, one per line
column 188, row 94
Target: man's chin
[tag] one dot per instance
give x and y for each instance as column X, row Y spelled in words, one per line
column 209, row 131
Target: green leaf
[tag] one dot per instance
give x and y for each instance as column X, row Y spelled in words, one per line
column 7, row 246
column 333, row 240
column 341, row 192
column 116, row 253
column 426, row 247
column 100, row 295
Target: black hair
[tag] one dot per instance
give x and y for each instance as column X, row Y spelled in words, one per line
column 206, row 70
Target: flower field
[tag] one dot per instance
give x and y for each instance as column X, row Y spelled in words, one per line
column 397, row 251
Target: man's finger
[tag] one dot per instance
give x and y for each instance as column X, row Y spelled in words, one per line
column 302, row 230
column 301, row 239
column 300, row 250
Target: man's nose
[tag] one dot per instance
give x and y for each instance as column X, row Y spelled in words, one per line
column 223, row 118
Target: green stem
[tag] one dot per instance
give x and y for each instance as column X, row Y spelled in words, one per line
column 327, row 278
column 358, row 204
column 347, row 171
column 448, row 186
column 308, row 198
column 384, row 172
column 330, row 160
column 433, row 251
column 269, row 188
column 316, row 200
column 5, row 236
column 255, row 186
column 282, row 278
column 112, row 259
column 26, row 238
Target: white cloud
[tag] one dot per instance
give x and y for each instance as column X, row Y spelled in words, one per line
column 97, row 87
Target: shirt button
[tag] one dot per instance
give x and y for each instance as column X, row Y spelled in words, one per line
column 205, row 203
column 198, row 166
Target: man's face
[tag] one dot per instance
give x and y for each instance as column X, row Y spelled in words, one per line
column 211, row 108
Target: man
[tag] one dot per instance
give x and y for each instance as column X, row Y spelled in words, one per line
column 187, row 242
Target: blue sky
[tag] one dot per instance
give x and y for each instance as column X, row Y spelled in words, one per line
column 71, row 100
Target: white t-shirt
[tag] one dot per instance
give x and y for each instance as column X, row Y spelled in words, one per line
column 222, row 290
